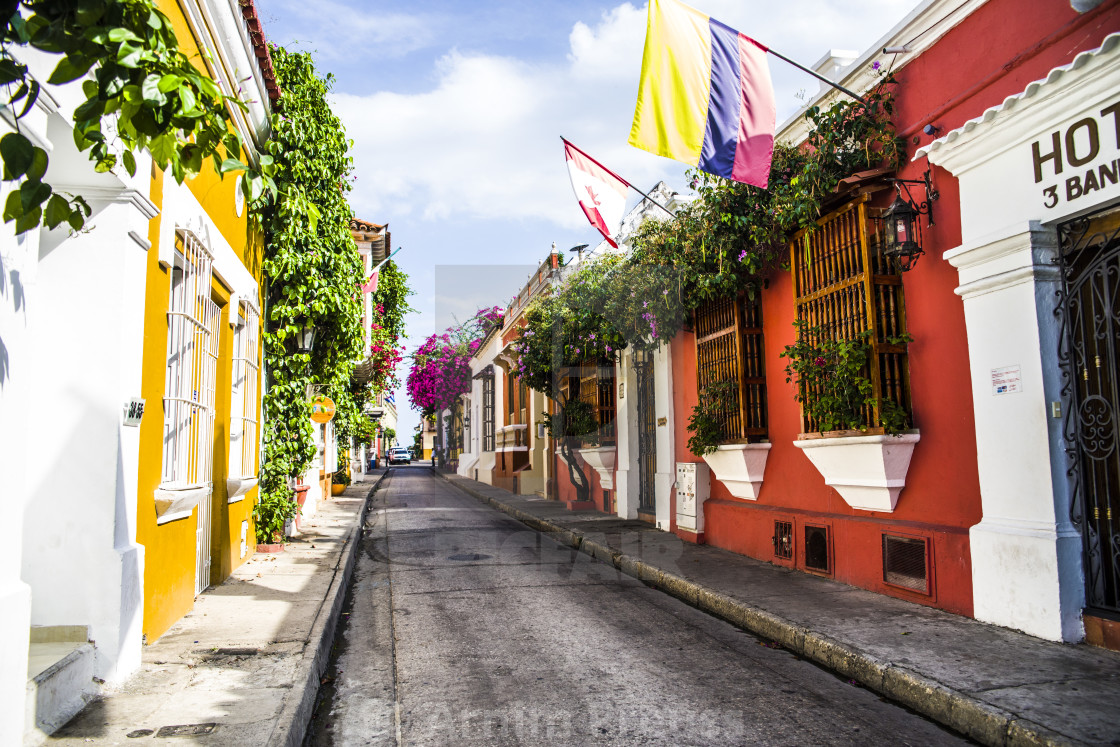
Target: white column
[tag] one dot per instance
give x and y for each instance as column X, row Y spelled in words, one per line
column 666, row 447
column 626, row 476
column 1026, row 554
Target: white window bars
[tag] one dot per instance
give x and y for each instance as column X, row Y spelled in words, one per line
column 192, row 366
column 244, row 433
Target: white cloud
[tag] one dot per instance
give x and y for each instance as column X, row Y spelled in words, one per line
column 335, row 31
column 484, row 142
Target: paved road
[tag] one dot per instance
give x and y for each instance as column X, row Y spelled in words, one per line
column 463, row 627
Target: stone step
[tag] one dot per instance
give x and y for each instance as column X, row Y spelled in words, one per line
column 60, row 679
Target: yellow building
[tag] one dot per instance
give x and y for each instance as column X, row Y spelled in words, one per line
column 199, row 441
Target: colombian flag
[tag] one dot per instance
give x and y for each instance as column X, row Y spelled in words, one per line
column 705, row 96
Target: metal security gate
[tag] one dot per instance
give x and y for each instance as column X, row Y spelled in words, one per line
column 1089, row 352
column 204, row 413
column 647, row 436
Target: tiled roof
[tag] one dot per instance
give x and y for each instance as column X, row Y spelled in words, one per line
column 260, row 49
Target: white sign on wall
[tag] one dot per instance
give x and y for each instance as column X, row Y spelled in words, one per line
column 133, row 412
column 1007, row 380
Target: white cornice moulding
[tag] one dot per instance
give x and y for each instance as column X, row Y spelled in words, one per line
column 172, row 505
column 869, row 472
column 237, row 487
column 740, row 467
column 1082, row 85
column 112, row 195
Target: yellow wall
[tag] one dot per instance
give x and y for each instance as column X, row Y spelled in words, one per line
column 169, row 565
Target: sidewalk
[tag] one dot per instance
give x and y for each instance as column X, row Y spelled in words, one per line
column 243, row 667
column 995, row 685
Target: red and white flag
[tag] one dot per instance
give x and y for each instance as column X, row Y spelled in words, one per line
column 371, row 284
column 601, row 192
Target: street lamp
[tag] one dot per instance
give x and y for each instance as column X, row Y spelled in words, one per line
column 305, row 338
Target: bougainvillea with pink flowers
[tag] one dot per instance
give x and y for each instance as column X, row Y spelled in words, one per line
column 385, row 353
column 441, row 369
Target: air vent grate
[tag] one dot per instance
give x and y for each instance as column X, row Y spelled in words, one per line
column 783, row 540
column 904, row 562
column 816, row 549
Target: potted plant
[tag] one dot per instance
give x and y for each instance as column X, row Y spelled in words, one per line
column 739, row 466
column 272, row 512
column 339, row 481
column 862, row 447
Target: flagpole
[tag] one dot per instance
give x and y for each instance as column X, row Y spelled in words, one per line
column 815, row 74
column 616, row 176
column 382, row 262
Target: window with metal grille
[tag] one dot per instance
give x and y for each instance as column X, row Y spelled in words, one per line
column 905, row 562
column 729, row 349
column 783, row 540
column 192, row 366
column 596, row 388
column 817, row 549
column 244, row 432
column 844, row 285
column 488, row 412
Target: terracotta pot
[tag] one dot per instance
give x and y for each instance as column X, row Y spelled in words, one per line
column 301, row 498
column 278, row 547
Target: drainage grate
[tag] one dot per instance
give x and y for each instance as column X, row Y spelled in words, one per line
column 783, row 539
column 469, row 556
column 186, row 730
column 816, row 549
column 904, row 562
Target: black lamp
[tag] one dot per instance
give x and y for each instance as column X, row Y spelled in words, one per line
column 903, row 240
column 305, row 338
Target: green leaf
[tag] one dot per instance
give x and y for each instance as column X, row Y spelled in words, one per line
column 188, row 104
column 11, row 71
column 76, row 220
column 33, row 194
column 129, row 55
column 57, row 212
column 39, row 163
column 119, row 34
column 28, row 220
column 13, row 207
column 169, row 82
column 71, row 67
column 18, row 154
column 232, row 164
column 163, row 149
column 151, row 91
column 129, row 162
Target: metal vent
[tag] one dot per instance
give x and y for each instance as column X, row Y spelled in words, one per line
column 816, row 549
column 783, row 539
column 904, row 562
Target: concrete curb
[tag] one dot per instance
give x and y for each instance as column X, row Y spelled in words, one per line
column 959, row 711
column 291, row 726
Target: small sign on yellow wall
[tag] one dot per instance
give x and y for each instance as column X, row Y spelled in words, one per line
column 322, row 409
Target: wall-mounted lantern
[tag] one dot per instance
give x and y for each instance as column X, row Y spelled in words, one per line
column 903, row 240
column 305, row 338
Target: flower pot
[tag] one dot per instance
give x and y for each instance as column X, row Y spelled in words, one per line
column 301, row 498
column 602, row 459
column 271, row 547
column 869, row 472
column 337, row 488
column 740, row 468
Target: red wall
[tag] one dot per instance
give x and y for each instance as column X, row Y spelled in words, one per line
column 993, row 54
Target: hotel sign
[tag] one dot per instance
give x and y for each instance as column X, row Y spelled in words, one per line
column 1074, row 163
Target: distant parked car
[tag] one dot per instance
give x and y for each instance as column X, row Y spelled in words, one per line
column 399, row 455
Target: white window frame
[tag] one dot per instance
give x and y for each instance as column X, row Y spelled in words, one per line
column 192, row 355
column 244, row 398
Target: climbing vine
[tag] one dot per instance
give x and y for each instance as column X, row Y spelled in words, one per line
column 312, row 272
column 143, row 93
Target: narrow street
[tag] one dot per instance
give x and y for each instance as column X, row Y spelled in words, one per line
column 462, row 626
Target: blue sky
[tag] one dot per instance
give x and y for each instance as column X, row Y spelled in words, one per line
column 456, row 111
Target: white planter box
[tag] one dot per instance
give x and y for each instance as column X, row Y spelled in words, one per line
column 740, row 468
column 867, row 471
column 602, row 460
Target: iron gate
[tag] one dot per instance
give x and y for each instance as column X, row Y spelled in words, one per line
column 1089, row 353
column 647, row 437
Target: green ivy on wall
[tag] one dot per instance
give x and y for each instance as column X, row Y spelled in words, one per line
column 312, row 272
column 143, row 94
